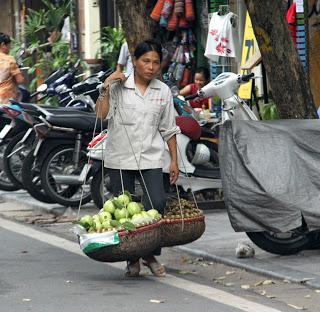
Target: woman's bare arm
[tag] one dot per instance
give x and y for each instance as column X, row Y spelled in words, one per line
column 185, row 91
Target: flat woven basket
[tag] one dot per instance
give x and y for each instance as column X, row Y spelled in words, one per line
column 133, row 245
column 176, row 232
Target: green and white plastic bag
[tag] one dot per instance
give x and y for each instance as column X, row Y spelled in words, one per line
column 90, row 242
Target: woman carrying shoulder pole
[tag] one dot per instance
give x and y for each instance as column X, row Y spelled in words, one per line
column 141, row 119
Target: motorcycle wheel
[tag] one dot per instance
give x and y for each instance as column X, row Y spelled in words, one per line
column 5, row 182
column 281, row 243
column 60, row 163
column 30, row 175
column 13, row 165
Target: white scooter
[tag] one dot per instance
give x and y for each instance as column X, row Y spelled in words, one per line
column 197, row 155
column 197, row 168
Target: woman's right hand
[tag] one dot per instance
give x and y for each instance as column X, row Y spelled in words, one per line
column 114, row 76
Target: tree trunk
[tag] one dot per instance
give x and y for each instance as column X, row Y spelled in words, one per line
column 136, row 21
column 288, row 80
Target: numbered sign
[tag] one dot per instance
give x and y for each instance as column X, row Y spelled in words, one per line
column 249, row 47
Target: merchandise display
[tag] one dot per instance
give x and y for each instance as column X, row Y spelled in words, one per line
column 123, row 230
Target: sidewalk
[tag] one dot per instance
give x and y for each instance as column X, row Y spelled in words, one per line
column 218, row 244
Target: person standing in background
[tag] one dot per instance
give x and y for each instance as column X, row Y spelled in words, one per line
column 201, row 78
column 10, row 74
column 124, row 60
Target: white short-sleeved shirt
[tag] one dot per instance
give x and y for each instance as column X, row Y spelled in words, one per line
column 125, row 59
column 139, row 125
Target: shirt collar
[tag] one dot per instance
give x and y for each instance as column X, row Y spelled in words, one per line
column 129, row 83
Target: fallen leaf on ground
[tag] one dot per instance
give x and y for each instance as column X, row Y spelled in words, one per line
column 258, row 283
column 307, row 296
column 245, row 286
column 230, row 272
column 26, row 299
column 156, row 301
column 270, row 296
column 183, row 272
column 184, row 259
column 268, row 282
column 220, row 278
column 286, row 281
column 229, row 284
column 262, row 292
column 296, row 307
column 306, row 279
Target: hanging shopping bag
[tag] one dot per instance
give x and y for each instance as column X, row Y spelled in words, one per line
column 156, row 12
column 189, row 10
column 183, row 23
column 167, row 8
column 179, row 8
column 173, row 22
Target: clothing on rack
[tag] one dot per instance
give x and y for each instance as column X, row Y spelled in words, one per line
column 223, row 38
column 291, row 20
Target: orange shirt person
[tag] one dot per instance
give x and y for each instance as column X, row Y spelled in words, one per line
column 10, row 74
column 201, row 78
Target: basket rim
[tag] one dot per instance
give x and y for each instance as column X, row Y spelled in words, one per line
column 186, row 220
column 140, row 229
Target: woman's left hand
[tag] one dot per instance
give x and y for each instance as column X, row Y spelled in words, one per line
column 174, row 172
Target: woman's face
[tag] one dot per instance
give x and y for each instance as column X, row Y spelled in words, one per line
column 199, row 80
column 148, row 65
column 5, row 48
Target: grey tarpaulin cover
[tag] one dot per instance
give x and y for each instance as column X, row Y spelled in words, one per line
column 271, row 173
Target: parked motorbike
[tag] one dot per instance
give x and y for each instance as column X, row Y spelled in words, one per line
column 225, row 86
column 81, row 96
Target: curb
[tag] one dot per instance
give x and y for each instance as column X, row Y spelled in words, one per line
column 306, row 279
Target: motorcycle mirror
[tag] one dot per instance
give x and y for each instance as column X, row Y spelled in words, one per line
column 42, row 88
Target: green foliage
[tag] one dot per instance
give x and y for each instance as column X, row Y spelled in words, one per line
column 54, row 14
column 43, row 58
column 269, row 111
column 111, row 40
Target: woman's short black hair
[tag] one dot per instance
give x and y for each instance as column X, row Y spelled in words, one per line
column 148, row 46
column 204, row 71
column 4, row 38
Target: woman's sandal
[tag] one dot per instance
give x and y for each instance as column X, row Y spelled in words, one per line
column 155, row 267
column 133, row 269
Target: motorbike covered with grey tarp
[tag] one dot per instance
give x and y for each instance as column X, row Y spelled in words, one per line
column 271, row 174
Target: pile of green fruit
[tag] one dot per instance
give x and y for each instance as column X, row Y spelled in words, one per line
column 188, row 210
column 120, row 213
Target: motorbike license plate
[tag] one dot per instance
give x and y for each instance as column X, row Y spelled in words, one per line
column 5, row 130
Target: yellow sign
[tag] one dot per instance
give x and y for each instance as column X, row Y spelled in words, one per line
column 248, row 49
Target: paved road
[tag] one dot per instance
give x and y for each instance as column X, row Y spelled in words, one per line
column 218, row 242
column 42, row 272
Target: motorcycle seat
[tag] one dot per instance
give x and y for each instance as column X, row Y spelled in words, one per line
column 203, row 172
column 189, row 127
column 79, row 121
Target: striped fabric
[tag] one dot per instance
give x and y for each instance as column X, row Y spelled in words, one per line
column 301, row 32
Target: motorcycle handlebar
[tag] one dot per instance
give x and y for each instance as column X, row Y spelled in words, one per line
column 191, row 97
